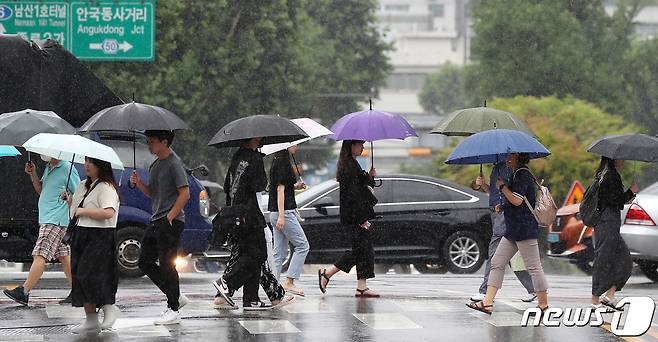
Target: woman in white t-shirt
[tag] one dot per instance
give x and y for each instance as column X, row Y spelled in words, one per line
column 95, row 204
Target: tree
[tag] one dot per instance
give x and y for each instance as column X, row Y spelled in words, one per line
column 566, row 127
column 443, row 91
column 220, row 60
column 544, row 48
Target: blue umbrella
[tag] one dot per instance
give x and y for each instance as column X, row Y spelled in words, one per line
column 493, row 146
column 9, row 151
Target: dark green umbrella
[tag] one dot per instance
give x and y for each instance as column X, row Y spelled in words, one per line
column 465, row 122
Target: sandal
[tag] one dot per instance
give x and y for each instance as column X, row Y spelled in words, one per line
column 479, row 306
column 610, row 303
column 363, row 294
column 295, row 291
column 323, row 274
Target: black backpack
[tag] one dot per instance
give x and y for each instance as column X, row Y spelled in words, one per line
column 589, row 207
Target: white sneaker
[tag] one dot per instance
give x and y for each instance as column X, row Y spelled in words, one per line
column 530, row 298
column 478, row 297
column 168, row 317
column 110, row 315
column 89, row 326
column 182, row 301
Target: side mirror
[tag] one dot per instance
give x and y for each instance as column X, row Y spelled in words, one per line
column 322, row 204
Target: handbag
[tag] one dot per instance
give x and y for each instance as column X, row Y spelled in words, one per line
column 73, row 223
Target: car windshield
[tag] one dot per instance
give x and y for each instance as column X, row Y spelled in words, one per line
column 314, row 191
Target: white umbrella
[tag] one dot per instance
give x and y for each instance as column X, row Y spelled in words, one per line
column 312, row 128
column 72, row 148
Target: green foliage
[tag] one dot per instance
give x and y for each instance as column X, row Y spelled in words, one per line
column 566, row 127
column 443, row 91
column 220, row 60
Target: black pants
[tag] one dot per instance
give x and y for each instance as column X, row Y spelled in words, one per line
column 160, row 243
column 268, row 281
column 362, row 254
column 244, row 272
column 612, row 261
column 94, row 266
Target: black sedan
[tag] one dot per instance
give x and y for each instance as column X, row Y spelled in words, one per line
column 433, row 224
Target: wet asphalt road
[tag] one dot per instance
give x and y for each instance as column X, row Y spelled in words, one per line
column 412, row 308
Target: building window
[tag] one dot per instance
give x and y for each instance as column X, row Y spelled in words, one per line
column 397, row 8
column 436, row 10
column 406, row 81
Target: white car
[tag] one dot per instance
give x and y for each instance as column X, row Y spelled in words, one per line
column 640, row 231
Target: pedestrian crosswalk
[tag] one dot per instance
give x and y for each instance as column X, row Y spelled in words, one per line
column 397, row 316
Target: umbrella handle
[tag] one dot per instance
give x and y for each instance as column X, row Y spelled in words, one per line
column 68, row 179
column 372, row 156
column 131, row 185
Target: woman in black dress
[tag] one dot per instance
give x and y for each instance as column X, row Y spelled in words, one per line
column 612, row 260
column 95, row 205
column 356, row 209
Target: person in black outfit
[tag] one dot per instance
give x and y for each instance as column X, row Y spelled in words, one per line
column 356, row 209
column 612, row 260
column 246, row 176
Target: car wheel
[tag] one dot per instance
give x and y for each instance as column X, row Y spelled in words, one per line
column 650, row 269
column 431, row 268
column 129, row 244
column 463, row 252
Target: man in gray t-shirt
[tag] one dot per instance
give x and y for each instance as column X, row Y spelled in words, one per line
column 166, row 176
column 169, row 191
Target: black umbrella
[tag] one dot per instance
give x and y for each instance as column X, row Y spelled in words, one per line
column 272, row 128
column 43, row 75
column 640, row 147
column 17, row 127
column 133, row 117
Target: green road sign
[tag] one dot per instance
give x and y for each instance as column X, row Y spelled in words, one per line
column 35, row 20
column 107, row 30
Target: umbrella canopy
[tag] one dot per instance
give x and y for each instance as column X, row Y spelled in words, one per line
column 493, row 146
column 43, row 75
column 72, row 148
column 272, row 128
column 371, row 125
column 640, row 147
column 9, row 151
column 465, row 122
column 134, row 116
column 309, row 126
column 17, row 127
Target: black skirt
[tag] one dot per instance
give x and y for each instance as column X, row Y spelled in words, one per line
column 94, row 266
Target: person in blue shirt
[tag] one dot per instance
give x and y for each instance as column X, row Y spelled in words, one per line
column 521, row 233
column 53, row 221
column 500, row 170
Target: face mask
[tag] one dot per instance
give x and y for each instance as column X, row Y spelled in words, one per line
column 45, row 158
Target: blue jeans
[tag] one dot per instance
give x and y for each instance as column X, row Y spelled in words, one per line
column 293, row 233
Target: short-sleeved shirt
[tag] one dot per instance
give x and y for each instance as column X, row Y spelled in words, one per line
column 102, row 196
column 503, row 171
column 52, row 208
column 282, row 173
column 166, row 176
column 519, row 221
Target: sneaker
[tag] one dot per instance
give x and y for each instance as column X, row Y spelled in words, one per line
column 89, row 326
column 478, row 297
column 220, row 304
column 530, row 298
column 110, row 315
column 223, row 291
column 18, row 295
column 182, row 301
column 257, row 306
column 168, row 317
column 66, row 300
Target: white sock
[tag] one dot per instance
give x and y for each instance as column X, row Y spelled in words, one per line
column 89, row 325
column 110, row 315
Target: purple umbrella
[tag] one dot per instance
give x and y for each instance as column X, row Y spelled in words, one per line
column 371, row 125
